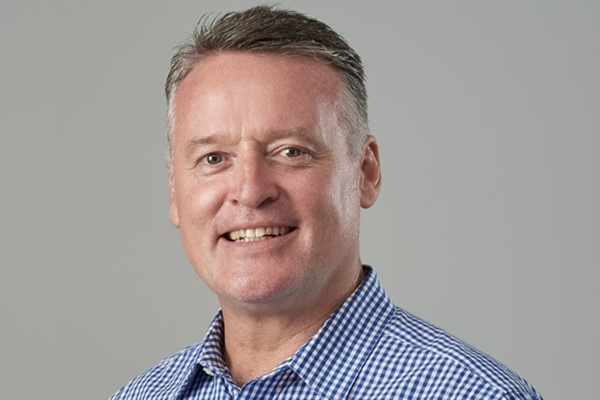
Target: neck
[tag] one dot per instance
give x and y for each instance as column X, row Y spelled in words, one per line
column 256, row 342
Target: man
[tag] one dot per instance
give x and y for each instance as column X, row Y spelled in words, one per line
column 270, row 161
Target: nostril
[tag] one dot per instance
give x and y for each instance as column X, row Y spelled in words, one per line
column 255, row 195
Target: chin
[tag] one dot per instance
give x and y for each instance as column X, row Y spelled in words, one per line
column 262, row 290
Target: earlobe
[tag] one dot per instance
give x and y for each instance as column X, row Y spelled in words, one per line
column 370, row 180
column 173, row 212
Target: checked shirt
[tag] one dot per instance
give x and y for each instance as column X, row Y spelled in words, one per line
column 368, row 349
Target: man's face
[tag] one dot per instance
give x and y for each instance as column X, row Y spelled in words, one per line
column 263, row 187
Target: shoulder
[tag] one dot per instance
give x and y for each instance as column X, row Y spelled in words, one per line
column 417, row 355
column 164, row 379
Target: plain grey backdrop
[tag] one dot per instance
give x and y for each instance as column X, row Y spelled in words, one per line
column 488, row 118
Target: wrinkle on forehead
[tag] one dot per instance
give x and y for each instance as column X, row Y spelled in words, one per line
column 213, row 71
column 227, row 78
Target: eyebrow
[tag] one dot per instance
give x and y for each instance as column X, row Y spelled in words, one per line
column 193, row 144
column 286, row 133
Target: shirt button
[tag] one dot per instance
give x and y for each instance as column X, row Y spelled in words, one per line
column 209, row 372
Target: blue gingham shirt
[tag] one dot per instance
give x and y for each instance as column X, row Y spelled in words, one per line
column 367, row 349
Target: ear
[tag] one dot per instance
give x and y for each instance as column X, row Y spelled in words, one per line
column 173, row 212
column 370, row 173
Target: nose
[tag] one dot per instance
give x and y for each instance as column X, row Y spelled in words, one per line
column 253, row 185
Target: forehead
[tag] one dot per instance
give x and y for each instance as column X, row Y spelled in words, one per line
column 219, row 68
column 230, row 85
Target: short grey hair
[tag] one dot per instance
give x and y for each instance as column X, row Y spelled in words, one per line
column 285, row 32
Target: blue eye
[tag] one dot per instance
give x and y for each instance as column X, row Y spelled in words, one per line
column 213, row 158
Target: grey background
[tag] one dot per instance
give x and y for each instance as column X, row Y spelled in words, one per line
column 487, row 113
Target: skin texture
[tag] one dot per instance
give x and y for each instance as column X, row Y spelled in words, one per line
column 257, row 144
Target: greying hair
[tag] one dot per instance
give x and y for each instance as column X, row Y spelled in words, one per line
column 285, row 32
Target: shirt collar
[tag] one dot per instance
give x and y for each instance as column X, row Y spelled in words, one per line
column 331, row 360
column 207, row 357
column 211, row 355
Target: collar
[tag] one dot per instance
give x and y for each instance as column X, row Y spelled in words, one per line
column 331, row 360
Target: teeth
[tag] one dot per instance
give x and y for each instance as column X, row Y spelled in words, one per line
column 255, row 234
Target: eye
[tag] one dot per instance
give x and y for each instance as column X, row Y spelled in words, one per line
column 292, row 152
column 213, row 158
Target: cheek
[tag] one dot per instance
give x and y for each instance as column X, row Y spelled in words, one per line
column 332, row 199
column 198, row 201
column 345, row 202
column 198, row 204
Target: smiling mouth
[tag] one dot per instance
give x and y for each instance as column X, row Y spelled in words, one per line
column 256, row 234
